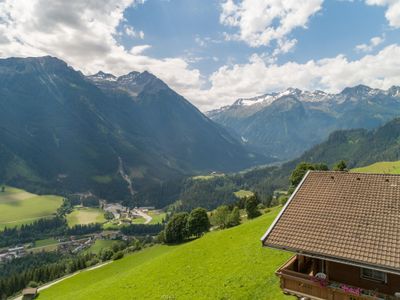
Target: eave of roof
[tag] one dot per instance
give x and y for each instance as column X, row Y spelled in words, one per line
column 264, row 237
column 335, row 259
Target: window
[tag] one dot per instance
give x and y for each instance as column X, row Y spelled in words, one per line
column 373, row 275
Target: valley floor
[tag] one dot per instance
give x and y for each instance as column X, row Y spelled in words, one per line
column 227, row 264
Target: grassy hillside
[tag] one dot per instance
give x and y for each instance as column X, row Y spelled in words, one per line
column 85, row 215
column 19, row 207
column 385, row 167
column 228, row 264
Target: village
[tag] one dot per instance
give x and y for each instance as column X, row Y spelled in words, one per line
column 118, row 216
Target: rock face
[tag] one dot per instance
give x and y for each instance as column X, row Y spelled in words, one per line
column 61, row 131
column 285, row 124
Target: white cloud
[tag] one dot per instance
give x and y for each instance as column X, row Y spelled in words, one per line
column 284, row 46
column 139, row 49
column 130, row 31
column 262, row 21
column 84, row 34
column 258, row 76
column 201, row 42
column 373, row 43
column 393, row 10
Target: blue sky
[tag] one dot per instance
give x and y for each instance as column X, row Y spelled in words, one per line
column 215, row 51
column 178, row 29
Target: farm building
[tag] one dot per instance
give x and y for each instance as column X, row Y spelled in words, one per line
column 344, row 229
column 29, row 293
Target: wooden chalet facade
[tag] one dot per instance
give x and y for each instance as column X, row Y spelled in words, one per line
column 344, row 229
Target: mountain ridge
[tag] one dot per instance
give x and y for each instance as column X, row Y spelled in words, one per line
column 286, row 124
column 60, row 130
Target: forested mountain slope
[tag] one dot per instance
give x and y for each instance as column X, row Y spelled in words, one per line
column 63, row 132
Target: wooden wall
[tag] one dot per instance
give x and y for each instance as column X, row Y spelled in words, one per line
column 352, row 276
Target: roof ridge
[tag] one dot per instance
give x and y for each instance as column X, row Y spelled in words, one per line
column 355, row 173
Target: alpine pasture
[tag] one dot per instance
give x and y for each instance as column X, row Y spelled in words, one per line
column 85, row 215
column 383, row 167
column 19, row 207
column 226, row 264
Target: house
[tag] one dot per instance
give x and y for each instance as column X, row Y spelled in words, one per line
column 344, row 229
column 29, row 293
column 12, row 253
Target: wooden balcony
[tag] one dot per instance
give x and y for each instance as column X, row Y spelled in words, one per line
column 304, row 285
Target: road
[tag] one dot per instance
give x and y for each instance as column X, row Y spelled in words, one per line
column 144, row 215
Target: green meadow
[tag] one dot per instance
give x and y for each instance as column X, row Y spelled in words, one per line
column 227, row 264
column 385, row 167
column 19, row 207
column 207, row 177
column 98, row 245
column 85, row 215
column 243, row 193
column 45, row 245
column 157, row 217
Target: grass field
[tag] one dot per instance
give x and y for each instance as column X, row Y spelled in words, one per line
column 19, row 207
column 207, row 177
column 45, row 242
column 85, row 215
column 98, row 245
column 139, row 220
column 385, row 167
column 45, row 245
column 243, row 193
column 228, row 264
column 156, row 217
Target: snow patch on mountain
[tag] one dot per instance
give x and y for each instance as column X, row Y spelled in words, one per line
column 267, row 99
column 101, row 76
column 348, row 94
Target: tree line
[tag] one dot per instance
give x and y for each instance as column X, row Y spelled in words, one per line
column 142, row 229
column 42, row 229
column 183, row 226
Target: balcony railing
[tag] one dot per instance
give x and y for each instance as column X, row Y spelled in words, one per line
column 307, row 286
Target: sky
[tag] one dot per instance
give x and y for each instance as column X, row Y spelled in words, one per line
column 215, row 51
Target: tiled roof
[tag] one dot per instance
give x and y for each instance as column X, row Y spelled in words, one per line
column 352, row 217
column 29, row 291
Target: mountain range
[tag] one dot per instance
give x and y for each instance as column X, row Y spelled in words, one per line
column 357, row 147
column 62, row 131
column 286, row 124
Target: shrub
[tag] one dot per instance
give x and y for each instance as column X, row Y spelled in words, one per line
column 233, row 218
column 33, row 284
column 118, row 255
column 223, row 217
